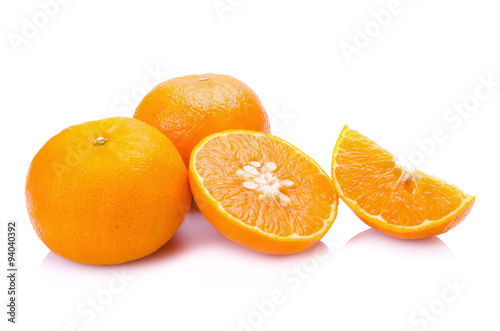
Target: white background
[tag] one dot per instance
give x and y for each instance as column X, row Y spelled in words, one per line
column 85, row 61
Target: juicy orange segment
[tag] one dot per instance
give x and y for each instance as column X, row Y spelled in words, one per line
column 262, row 192
column 402, row 203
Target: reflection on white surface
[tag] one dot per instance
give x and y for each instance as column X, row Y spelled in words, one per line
column 201, row 270
column 374, row 242
column 388, row 279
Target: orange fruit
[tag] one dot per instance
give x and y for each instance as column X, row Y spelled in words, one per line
column 261, row 192
column 187, row 109
column 107, row 192
column 388, row 197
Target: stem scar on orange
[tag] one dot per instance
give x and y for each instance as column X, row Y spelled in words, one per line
column 262, row 192
column 388, row 197
column 107, row 192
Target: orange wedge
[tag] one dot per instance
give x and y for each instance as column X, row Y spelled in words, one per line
column 388, row 197
column 262, row 192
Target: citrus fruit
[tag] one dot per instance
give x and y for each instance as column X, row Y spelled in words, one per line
column 107, row 192
column 262, row 192
column 402, row 203
column 187, row 109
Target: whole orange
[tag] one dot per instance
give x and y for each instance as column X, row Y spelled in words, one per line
column 187, row 109
column 107, row 191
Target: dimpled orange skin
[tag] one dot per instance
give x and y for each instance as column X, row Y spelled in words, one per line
column 108, row 202
column 187, row 109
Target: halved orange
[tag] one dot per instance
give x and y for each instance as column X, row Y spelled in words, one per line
column 402, row 203
column 262, row 192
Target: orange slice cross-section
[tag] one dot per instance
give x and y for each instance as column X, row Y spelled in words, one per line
column 386, row 196
column 262, row 192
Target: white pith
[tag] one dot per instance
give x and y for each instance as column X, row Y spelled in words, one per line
column 262, row 179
